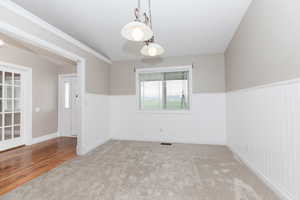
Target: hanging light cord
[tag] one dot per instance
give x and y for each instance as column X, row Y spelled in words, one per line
column 150, row 16
column 137, row 11
column 150, row 13
column 139, row 4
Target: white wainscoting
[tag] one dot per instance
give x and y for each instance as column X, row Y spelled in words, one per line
column 205, row 124
column 263, row 128
column 96, row 121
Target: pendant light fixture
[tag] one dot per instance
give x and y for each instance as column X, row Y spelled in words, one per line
column 151, row 48
column 1, row 43
column 138, row 30
column 141, row 31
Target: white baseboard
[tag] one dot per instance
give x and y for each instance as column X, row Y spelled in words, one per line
column 280, row 193
column 176, row 141
column 44, row 138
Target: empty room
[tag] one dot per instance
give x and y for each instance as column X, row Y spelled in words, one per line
column 149, row 99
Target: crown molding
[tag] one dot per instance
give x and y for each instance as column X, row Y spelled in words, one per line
column 33, row 18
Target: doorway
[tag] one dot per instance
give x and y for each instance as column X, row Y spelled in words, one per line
column 69, row 106
column 33, row 40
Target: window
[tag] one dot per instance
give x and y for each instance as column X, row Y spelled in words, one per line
column 164, row 89
column 67, row 94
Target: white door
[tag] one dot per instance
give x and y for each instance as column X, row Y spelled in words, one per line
column 11, row 97
column 69, row 105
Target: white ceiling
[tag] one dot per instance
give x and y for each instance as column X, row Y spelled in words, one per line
column 182, row 27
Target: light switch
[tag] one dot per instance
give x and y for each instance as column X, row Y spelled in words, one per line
column 37, row 109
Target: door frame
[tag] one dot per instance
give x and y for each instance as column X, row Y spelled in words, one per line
column 26, row 88
column 19, row 34
column 60, row 102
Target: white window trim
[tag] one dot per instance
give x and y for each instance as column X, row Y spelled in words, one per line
column 188, row 68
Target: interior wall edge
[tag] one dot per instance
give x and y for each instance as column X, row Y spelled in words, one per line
column 96, row 127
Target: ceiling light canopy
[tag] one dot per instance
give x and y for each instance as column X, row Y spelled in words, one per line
column 141, row 31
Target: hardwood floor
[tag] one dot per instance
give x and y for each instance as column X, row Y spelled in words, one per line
column 23, row 164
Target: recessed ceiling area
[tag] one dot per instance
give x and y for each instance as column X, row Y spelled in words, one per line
column 182, row 27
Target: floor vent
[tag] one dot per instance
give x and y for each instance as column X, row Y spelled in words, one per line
column 165, row 144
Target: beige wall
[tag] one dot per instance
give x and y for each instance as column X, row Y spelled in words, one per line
column 266, row 47
column 96, row 79
column 44, row 87
column 208, row 73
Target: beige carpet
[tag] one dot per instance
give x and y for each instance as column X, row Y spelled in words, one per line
column 122, row 170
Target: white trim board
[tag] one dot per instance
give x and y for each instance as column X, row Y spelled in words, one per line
column 33, row 18
column 273, row 84
column 44, row 138
column 19, row 34
column 281, row 194
column 171, row 141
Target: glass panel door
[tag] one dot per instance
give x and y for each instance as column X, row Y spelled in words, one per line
column 10, row 109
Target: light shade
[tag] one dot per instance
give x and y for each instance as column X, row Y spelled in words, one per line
column 1, row 43
column 152, row 49
column 137, row 31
